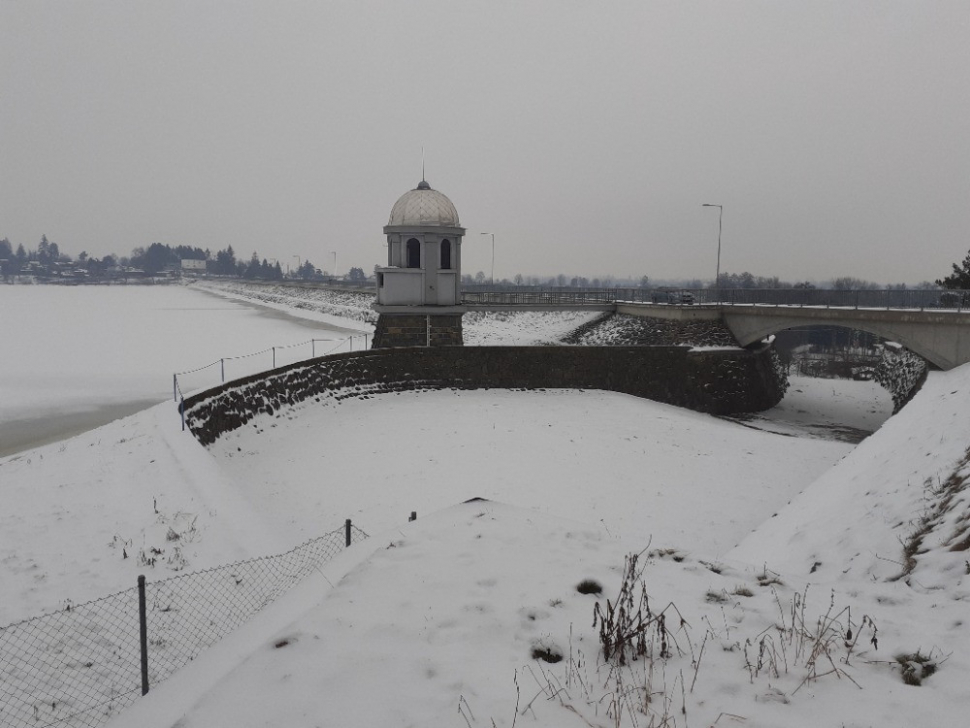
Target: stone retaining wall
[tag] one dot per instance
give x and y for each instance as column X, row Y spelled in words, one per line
column 712, row 381
column 405, row 330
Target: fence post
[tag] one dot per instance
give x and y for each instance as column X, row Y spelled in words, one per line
column 347, row 528
column 222, row 366
column 274, row 357
column 143, row 638
column 414, row 516
column 175, row 387
column 182, row 412
column 313, row 348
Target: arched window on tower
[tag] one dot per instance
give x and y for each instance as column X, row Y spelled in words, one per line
column 414, row 253
column 446, row 254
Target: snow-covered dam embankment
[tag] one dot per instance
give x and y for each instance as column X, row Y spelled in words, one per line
column 715, row 381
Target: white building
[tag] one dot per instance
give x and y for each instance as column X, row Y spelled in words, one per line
column 419, row 292
column 193, row 267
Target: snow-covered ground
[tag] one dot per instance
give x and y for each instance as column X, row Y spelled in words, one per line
column 496, row 328
column 636, row 467
column 832, row 409
column 909, row 478
column 624, row 329
column 435, row 622
column 641, row 469
column 80, row 515
column 522, row 328
column 450, row 620
column 76, row 357
column 346, row 308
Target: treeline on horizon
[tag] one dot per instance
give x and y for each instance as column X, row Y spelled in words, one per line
column 48, row 258
column 157, row 258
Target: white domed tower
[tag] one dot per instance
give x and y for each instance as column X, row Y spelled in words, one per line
column 419, row 292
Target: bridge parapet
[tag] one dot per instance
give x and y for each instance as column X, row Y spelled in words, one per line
column 934, row 324
column 920, row 299
column 940, row 337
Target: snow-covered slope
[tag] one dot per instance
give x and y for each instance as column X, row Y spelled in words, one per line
column 637, row 467
column 626, row 330
column 353, row 309
column 81, row 517
column 522, row 328
column 473, row 616
column 856, row 519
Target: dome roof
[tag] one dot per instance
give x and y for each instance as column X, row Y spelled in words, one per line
column 423, row 206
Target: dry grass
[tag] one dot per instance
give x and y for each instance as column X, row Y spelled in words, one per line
column 941, row 498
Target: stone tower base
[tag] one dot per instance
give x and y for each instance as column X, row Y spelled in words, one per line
column 395, row 330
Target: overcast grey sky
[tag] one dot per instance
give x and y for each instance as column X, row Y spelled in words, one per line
column 585, row 135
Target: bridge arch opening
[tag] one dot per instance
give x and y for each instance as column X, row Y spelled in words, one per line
column 844, row 383
column 941, row 343
column 836, row 352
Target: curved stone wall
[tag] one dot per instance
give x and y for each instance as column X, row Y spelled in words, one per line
column 716, row 381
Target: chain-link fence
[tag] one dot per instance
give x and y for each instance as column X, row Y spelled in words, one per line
column 81, row 666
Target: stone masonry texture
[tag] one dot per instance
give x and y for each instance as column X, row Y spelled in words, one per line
column 403, row 330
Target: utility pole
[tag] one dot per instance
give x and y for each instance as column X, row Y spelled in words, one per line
column 717, row 275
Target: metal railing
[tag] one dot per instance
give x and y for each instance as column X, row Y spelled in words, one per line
column 599, row 297
column 828, row 298
column 952, row 300
column 267, row 359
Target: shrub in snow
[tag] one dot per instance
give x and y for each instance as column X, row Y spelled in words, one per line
column 628, row 626
column 781, row 372
column 822, row 647
column 650, row 660
column 916, row 667
column 547, row 651
column 902, row 373
column 589, row 586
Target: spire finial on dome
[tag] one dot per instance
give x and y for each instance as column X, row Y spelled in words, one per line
column 423, row 184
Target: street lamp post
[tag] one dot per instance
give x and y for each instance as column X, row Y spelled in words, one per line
column 717, row 275
column 492, row 277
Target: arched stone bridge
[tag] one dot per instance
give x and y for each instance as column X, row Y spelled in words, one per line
column 940, row 337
